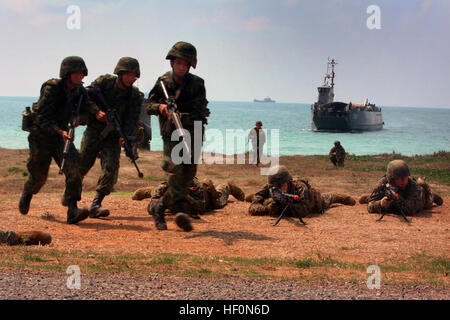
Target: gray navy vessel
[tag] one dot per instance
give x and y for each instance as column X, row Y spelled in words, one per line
column 328, row 115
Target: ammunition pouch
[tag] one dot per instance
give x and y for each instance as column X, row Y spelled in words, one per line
column 28, row 117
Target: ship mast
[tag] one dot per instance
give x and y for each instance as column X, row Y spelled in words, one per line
column 331, row 63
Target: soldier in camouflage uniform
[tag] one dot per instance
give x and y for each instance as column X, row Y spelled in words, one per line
column 27, row 238
column 414, row 196
column 311, row 200
column 203, row 195
column 337, row 154
column 189, row 93
column 56, row 105
column 120, row 94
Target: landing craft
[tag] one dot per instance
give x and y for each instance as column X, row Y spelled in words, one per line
column 342, row 116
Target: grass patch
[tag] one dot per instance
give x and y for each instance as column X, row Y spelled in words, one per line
column 420, row 268
column 437, row 175
column 30, row 258
column 15, row 169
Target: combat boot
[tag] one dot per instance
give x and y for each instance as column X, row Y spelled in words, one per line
column 96, row 210
column 24, row 203
column 437, row 199
column 182, row 220
column 157, row 212
column 75, row 215
column 346, row 200
column 364, row 199
column 236, row 192
column 30, row 238
column 142, row 193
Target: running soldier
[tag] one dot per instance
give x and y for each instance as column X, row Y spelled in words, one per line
column 120, row 94
column 49, row 131
column 188, row 92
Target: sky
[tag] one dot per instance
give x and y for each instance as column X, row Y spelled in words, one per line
column 246, row 48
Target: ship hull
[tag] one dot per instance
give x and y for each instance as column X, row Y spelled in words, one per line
column 351, row 121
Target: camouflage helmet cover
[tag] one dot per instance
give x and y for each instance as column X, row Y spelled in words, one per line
column 258, row 123
column 279, row 175
column 397, row 169
column 337, row 143
column 72, row 64
column 128, row 64
column 183, row 50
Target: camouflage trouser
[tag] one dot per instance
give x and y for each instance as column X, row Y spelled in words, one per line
column 93, row 143
column 180, row 178
column 223, row 191
column 427, row 195
column 337, row 161
column 42, row 149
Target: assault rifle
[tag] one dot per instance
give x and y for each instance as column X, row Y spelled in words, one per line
column 114, row 124
column 391, row 193
column 173, row 108
column 71, row 131
column 286, row 200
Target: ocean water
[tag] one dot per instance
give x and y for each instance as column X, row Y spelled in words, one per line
column 407, row 130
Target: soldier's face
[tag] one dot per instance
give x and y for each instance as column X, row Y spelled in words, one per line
column 77, row 77
column 128, row 78
column 401, row 182
column 180, row 67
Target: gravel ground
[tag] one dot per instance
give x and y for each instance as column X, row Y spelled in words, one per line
column 20, row 284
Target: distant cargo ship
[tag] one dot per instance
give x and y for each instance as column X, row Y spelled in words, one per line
column 265, row 100
column 342, row 116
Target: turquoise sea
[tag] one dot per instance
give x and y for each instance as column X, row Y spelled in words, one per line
column 407, row 130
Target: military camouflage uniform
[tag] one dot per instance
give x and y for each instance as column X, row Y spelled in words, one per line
column 337, row 155
column 52, row 112
column 127, row 103
column 202, row 196
column 415, row 197
column 411, row 200
column 27, row 238
column 191, row 104
column 310, row 199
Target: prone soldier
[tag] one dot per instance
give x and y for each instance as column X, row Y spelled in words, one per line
column 125, row 100
column 306, row 199
column 27, row 238
column 49, row 131
column 410, row 197
column 203, row 195
column 187, row 91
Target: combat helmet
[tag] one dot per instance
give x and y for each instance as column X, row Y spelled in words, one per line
column 397, row 169
column 72, row 64
column 337, row 143
column 128, row 64
column 185, row 51
column 279, row 175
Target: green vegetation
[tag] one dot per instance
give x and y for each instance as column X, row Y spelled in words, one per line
column 156, row 178
column 429, row 269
